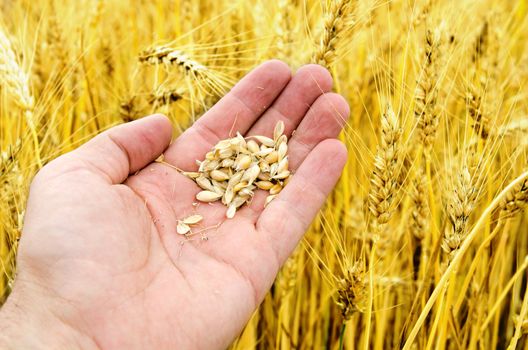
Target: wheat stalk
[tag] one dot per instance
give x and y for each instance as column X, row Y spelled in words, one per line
column 8, row 158
column 288, row 276
column 516, row 127
column 16, row 81
column 459, row 209
column 14, row 78
column 57, row 46
column 426, row 94
column 477, row 111
column 482, row 97
column 165, row 97
column 420, row 210
column 334, row 26
column 515, row 201
column 384, row 177
column 352, row 290
column 172, row 57
column 285, row 28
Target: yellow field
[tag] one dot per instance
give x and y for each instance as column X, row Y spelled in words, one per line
column 422, row 245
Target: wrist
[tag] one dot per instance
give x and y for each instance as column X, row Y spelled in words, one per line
column 29, row 323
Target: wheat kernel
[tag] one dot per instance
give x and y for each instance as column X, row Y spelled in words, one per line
column 279, row 130
column 281, row 140
column 266, row 141
column 218, row 189
column 219, row 175
column 264, row 176
column 264, row 185
column 252, row 146
column 264, row 151
column 204, row 183
column 251, row 174
column 273, row 169
column 225, row 153
column 283, row 165
column 275, row 189
column 227, row 163
column 243, row 162
column 282, row 150
column 238, row 201
column 193, row 219
column 282, row 175
column 182, row 228
column 272, row 157
column 246, row 192
column 208, row 196
column 231, row 211
column 210, row 155
column 211, row 165
column 239, row 186
column 264, row 167
column 228, row 196
column 235, row 179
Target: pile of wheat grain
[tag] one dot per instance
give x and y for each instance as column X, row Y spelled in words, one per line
column 234, row 168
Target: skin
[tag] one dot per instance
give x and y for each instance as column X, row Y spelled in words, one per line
column 100, row 264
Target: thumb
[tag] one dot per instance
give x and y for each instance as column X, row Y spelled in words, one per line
column 121, row 150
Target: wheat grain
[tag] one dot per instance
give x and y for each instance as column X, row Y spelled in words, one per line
column 265, row 141
column 275, row 189
column 208, row 196
column 278, row 131
column 219, row 175
column 182, row 228
column 264, row 185
column 252, row 146
column 193, row 219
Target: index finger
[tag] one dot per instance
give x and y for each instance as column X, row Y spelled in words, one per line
column 236, row 111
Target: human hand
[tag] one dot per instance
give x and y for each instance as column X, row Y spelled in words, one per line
column 100, row 264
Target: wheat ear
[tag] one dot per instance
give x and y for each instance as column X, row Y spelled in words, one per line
column 16, row 81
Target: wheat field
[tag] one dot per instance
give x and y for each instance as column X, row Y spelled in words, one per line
column 424, row 242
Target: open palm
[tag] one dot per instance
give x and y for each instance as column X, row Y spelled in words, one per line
column 100, row 248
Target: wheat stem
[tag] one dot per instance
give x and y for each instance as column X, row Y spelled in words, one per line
column 458, row 258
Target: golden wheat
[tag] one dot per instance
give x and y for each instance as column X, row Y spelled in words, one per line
column 418, row 246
